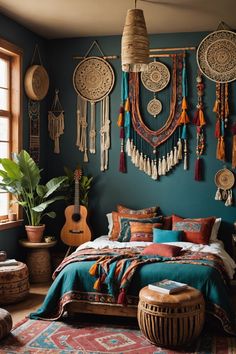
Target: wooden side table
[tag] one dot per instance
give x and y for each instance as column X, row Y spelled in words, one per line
column 38, row 260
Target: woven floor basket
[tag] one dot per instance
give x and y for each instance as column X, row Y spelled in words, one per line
column 5, row 323
column 171, row 320
column 14, row 282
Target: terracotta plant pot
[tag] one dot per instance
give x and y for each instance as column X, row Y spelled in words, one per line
column 35, row 233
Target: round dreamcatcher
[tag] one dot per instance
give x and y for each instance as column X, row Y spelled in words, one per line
column 155, row 79
column 216, row 56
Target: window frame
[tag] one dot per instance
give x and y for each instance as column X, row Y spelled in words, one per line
column 13, row 53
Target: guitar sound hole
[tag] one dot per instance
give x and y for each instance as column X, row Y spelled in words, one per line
column 76, row 217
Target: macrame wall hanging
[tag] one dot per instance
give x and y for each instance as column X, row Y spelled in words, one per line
column 56, row 122
column 36, row 84
column 93, row 80
column 154, row 152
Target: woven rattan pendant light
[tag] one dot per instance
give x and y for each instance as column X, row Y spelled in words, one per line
column 134, row 42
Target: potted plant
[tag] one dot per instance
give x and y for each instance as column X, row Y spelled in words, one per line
column 21, row 177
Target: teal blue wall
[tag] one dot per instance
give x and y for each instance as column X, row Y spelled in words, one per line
column 175, row 193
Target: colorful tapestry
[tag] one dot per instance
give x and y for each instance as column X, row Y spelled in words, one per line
column 78, row 337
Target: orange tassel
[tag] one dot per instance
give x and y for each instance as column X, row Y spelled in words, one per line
column 217, row 129
column 120, row 121
column 97, row 285
column 216, row 107
column 93, row 269
column 201, row 118
column 184, row 103
column 220, row 150
column 183, row 119
column 127, row 105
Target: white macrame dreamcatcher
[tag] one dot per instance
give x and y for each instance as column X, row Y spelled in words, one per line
column 93, row 80
column 56, row 122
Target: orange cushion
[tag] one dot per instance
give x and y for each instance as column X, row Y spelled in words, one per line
column 116, row 222
column 162, row 250
column 125, row 210
column 142, row 231
column 195, row 230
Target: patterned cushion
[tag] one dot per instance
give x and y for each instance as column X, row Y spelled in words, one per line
column 5, row 323
column 116, row 222
column 125, row 210
column 162, row 250
column 125, row 232
column 142, row 231
column 195, row 230
column 161, row 236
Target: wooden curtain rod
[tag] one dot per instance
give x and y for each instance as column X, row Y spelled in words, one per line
column 104, row 57
column 160, row 55
column 170, row 49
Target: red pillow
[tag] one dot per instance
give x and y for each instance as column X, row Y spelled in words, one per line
column 195, row 230
column 162, row 250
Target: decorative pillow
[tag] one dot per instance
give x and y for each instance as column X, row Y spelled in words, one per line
column 110, row 222
column 125, row 232
column 162, row 250
column 125, row 210
column 116, row 222
column 195, row 230
column 167, row 223
column 161, row 236
column 142, row 231
column 215, row 229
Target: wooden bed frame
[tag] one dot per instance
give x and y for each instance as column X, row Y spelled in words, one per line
column 101, row 309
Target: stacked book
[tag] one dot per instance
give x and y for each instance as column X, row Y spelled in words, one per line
column 167, row 286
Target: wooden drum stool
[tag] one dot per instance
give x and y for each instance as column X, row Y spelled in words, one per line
column 14, row 283
column 171, row 320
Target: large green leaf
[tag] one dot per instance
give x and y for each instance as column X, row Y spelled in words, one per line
column 12, row 169
column 29, row 169
column 41, row 207
column 54, row 184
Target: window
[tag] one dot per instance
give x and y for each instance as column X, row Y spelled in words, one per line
column 10, row 111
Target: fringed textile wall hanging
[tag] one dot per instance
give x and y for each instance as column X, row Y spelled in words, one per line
column 140, row 141
column 56, row 122
column 36, row 84
column 199, row 121
column 224, row 180
column 93, row 80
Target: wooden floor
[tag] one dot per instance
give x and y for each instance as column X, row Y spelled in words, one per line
column 33, row 301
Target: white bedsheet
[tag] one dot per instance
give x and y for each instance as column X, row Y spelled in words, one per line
column 215, row 247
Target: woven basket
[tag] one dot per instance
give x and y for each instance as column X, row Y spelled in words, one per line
column 5, row 323
column 14, row 282
column 36, row 82
column 134, row 43
column 171, row 320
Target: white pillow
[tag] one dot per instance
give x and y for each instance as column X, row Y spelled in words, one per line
column 110, row 222
column 215, row 229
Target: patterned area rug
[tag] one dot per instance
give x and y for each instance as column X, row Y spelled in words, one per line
column 32, row 336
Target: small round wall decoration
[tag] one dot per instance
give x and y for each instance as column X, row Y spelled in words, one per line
column 154, row 107
column 156, row 77
column 36, row 82
column 216, row 56
column 93, row 79
column 224, row 179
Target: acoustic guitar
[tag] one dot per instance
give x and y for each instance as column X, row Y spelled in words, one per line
column 76, row 230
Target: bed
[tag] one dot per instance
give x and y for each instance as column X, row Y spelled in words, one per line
column 80, row 284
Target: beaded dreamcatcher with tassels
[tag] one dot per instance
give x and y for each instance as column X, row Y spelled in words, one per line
column 154, row 152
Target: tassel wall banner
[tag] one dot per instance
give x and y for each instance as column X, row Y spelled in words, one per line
column 199, row 121
column 141, row 143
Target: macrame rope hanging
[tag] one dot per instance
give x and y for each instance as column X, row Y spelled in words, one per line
column 93, row 81
column 34, row 115
column 56, row 122
column 199, row 122
column 137, row 140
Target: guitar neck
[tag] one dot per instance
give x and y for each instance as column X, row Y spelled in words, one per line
column 76, row 198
